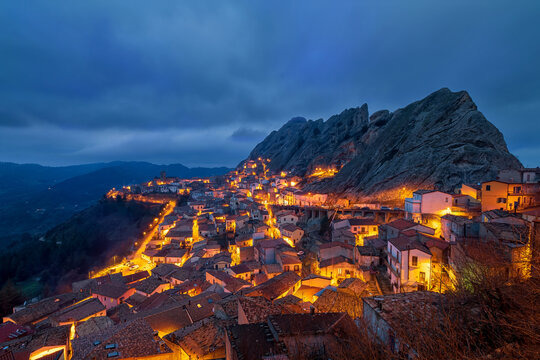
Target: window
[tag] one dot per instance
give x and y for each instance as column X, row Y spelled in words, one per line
column 363, row 229
column 287, row 268
column 296, row 268
column 415, row 261
column 422, row 276
column 488, row 187
column 339, row 271
column 446, row 199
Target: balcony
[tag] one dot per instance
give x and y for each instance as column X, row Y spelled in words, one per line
column 394, row 270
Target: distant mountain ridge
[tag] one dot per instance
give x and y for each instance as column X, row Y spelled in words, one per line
column 438, row 142
column 34, row 198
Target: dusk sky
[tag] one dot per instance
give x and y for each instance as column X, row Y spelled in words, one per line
column 201, row 83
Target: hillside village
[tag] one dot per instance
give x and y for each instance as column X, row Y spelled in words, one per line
column 251, row 266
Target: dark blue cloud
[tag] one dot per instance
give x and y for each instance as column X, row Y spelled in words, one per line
column 106, row 80
column 248, row 135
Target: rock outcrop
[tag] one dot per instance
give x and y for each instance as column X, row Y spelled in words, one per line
column 438, row 142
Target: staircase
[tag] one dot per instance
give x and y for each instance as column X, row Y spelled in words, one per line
column 383, row 281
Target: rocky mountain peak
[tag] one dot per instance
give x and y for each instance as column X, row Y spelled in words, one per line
column 438, row 142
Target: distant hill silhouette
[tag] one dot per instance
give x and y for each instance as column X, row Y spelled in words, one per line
column 34, row 198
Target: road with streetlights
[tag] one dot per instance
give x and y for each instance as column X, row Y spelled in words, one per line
column 135, row 262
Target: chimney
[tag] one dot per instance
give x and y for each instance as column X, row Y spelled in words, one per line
column 379, row 301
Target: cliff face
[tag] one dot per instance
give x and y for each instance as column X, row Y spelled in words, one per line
column 438, row 142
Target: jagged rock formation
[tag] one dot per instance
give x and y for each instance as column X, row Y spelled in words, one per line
column 438, row 142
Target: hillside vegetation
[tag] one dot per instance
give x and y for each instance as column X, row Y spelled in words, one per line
column 69, row 251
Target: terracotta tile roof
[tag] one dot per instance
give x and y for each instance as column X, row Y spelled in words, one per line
column 155, row 301
column 135, row 299
column 47, row 337
column 334, row 261
column 240, row 269
column 168, row 252
column 89, row 284
column 276, row 286
column 354, row 284
column 149, row 285
column 332, row 331
column 336, row 244
column 398, row 309
column 177, row 233
column 260, row 278
column 287, row 259
column 79, row 311
column 243, row 338
column 94, row 325
column 339, row 301
column 10, row 331
column 120, row 313
column 111, row 290
column 169, row 320
column 202, row 338
column 315, row 276
column 201, row 308
column 272, row 269
column 133, row 339
column 457, row 219
column 360, row 222
column 286, row 300
column 508, row 232
column 436, row 243
column 409, row 233
column 368, row 250
column 303, row 324
column 184, row 274
column 258, row 308
column 141, row 275
column 232, row 284
column 268, row 244
column 403, row 243
column 290, row 227
column 229, row 305
column 37, row 311
column 401, row 224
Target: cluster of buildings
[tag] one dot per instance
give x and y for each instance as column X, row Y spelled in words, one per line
column 235, row 274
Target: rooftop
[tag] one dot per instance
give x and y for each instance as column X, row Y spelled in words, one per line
column 276, row 286
column 79, row 311
column 334, row 261
column 133, row 339
column 403, row 243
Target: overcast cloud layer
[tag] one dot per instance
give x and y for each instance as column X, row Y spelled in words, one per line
column 201, row 83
